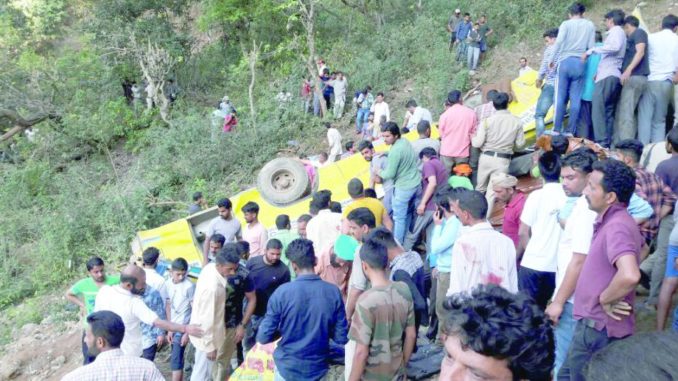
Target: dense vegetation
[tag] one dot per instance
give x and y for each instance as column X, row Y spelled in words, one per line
column 98, row 170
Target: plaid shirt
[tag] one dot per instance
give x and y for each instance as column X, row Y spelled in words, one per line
column 652, row 189
column 113, row 365
column 484, row 111
column 409, row 262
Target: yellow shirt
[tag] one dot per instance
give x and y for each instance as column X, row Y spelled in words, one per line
column 208, row 309
column 375, row 206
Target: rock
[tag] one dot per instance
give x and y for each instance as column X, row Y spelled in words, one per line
column 58, row 362
column 9, row 370
column 28, row 329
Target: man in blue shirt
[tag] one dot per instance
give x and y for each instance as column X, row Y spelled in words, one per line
column 307, row 313
column 461, row 32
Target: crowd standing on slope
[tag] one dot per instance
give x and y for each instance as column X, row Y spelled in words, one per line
column 550, row 296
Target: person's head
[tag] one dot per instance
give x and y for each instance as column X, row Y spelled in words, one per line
column 179, row 270
column 576, row 9
column 343, row 251
column 672, row 141
column 631, row 23
column 522, row 62
column 96, row 270
column 301, row 255
column 216, row 243
column 575, row 170
column 550, row 36
column 619, row 361
column 105, row 331
column 549, row 167
column 386, row 238
column 380, row 97
column 197, row 197
column 302, row 221
column 366, row 149
column 457, row 12
column 467, row 17
column 390, row 132
column 322, row 157
column 453, row 98
column 374, row 257
column 228, row 260
column 476, row 26
column 442, row 200
column 150, row 257
column 629, row 151
column 614, row 17
column 494, row 334
column 670, row 22
column 273, row 251
column 224, row 207
column 282, row 222
column 491, row 94
column 462, row 169
column 500, row 101
column 243, row 249
column 335, row 207
column 411, row 105
column 504, row 187
column 370, row 117
column 427, row 154
column 559, row 144
column 360, row 222
column 133, row 279
column 328, row 125
column 349, row 146
column 371, row 193
column 469, row 206
column 321, row 199
column 610, row 182
column 424, row 129
column 250, row 212
column 483, row 19
column 326, row 71
column 355, row 188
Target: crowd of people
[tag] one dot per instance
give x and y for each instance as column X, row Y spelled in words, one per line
column 549, row 295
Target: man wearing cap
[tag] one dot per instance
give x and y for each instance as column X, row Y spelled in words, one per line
column 452, row 23
column 504, row 187
column 334, row 262
column 357, row 193
column 456, row 127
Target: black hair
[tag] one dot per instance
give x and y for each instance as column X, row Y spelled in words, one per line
column 150, row 255
column 471, row 201
column 391, row 127
column 362, row 216
column 429, row 152
column 617, row 16
column 374, row 254
column 405, row 130
column 364, row 144
column 411, row 103
column 371, row 193
column 328, row 125
column 274, row 243
column 218, row 238
column 672, row 139
column 243, row 248
column 577, row 9
column 380, row 93
column 321, row 199
column 282, row 222
column 107, row 325
column 304, row 218
column 422, row 126
column 552, row 33
column 500, row 101
column 491, row 94
column 549, row 166
column 442, row 198
column 179, row 264
column 197, row 196
column 579, row 161
column 560, row 144
column 619, row 360
column 225, row 203
column 494, row 322
column 383, row 236
column 523, row 58
column 617, row 177
column 453, row 97
column 301, row 253
column 670, row 22
column 355, row 188
column 467, row 14
column 93, row 262
column 632, row 20
column 349, row 145
column 250, row 207
column 230, row 253
column 335, row 207
column 631, row 147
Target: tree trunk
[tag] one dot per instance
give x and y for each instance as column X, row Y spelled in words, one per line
column 20, row 123
column 308, row 20
column 252, row 58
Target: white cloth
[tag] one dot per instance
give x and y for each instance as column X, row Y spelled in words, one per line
column 575, row 238
column 202, row 367
column 524, row 70
column 334, row 141
column 418, row 115
column 540, row 213
column 323, row 229
column 208, row 309
column 156, row 281
column 132, row 310
column 482, row 255
column 663, row 50
column 380, row 109
column 181, row 297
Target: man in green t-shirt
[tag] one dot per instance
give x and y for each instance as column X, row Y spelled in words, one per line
column 381, row 316
column 84, row 293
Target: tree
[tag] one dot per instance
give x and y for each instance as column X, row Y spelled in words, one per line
column 308, row 17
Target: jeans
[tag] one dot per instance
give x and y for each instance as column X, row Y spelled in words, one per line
column 585, row 124
column 563, row 333
column 539, row 285
column 605, row 96
column 149, row 353
column 361, row 119
column 177, row 354
column 652, row 109
column 421, row 223
column 544, row 103
column 626, row 127
column 461, row 50
column 316, row 105
column 569, row 87
column 472, row 56
column 250, row 338
column 586, row 342
column 403, row 205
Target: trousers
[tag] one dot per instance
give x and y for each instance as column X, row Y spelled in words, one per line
column 569, row 86
column 605, row 96
column 625, row 127
column 652, row 109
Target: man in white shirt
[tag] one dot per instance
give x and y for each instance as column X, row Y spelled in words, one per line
column 480, row 255
column 539, row 233
column 340, row 84
column 381, row 113
column 523, row 68
column 125, row 300
column 325, row 227
column 334, row 142
column 415, row 114
column 150, row 258
column 653, row 106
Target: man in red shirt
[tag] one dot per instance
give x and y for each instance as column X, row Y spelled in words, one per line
column 504, row 187
column 456, row 127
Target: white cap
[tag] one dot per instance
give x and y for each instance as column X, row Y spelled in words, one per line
column 457, row 10
column 225, row 98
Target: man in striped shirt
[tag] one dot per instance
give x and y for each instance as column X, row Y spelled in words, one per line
column 546, row 80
